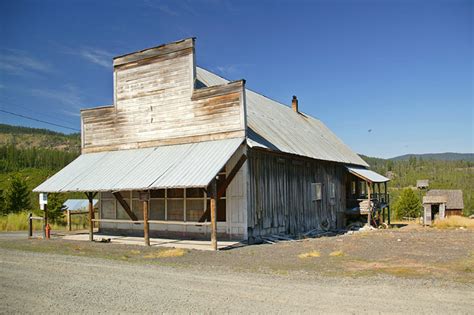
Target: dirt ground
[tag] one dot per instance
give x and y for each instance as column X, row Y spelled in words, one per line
column 402, row 270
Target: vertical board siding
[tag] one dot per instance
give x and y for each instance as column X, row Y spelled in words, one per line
column 280, row 198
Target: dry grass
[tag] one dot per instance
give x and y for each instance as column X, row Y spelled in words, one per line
column 454, row 222
column 175, row 252
column 19, row 222
column 337, row 253
column 313, row 253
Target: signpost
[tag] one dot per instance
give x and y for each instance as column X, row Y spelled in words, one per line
column 43, row 201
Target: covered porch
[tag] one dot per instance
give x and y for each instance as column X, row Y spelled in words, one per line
column 168, row 190
column 367, row 195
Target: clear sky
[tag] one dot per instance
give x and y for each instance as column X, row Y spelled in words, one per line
column 401, row 69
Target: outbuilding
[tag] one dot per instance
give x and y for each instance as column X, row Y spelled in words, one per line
column 185, row 152
column 442, row 203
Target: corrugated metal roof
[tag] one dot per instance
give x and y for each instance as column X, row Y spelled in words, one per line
column 369, row 175
column 454, row 197
column 78, row 204
column 275, row 126
column 174, row 166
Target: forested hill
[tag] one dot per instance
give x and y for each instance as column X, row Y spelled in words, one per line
column 29, row 138
column 448, row 156
column 442, row 174
column 33, row 155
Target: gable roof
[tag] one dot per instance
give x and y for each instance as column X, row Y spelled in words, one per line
column 275, row 126
column 454, row 196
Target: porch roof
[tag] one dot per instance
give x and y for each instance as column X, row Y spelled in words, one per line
column 367, row 175
column 174, row 166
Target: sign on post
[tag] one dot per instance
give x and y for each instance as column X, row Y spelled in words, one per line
column 43, row 200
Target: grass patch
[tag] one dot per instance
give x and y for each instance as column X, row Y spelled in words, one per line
column 454, row 222
column 313, row 253
column 175, row 252
column 337, row 253
column 19, row 222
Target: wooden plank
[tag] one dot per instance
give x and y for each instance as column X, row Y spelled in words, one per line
column 154, row 51
column 153, row 222
column 218, row 90
column 117, row 221
column 160, row 142
column 125, row 205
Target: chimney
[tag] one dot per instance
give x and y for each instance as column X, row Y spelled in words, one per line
column 294, row 104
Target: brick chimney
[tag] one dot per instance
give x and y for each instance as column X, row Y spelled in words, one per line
column 294, row 104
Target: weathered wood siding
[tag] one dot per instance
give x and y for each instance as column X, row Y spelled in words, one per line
column 280, row 197
column 156, row 104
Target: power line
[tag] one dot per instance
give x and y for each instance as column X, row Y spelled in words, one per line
column 38, row 120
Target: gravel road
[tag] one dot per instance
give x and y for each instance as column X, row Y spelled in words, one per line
column 50, row 283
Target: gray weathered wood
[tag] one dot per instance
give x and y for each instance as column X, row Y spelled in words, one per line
column 279, row 194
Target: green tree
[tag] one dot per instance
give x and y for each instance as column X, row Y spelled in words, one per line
column 55, row 207
column 408, row 204
column 17, row 195
column 2, row 203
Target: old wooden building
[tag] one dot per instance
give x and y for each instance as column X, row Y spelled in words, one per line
column 442, row 203
column 185, row 152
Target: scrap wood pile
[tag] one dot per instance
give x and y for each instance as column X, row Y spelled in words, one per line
column 352, row 228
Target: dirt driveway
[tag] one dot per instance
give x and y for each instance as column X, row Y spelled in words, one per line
column 388, row 272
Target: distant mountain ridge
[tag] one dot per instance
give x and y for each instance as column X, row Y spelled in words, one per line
column 447, row 156
column 28, row 138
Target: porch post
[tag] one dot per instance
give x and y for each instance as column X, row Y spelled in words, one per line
column 387, row 202
column 213, row 214
column 144, row 196
column 90, row 197
column 45, row 221
column 370, row 208
column 68, row 217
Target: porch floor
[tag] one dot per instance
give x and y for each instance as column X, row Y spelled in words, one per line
column 162, row 242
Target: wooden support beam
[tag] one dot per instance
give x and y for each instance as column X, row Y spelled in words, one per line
column 144, row 197
column 45, row 221
column 370, row 208
column 228, row 180
column 214, row 215
column 231, row 175
column 125, row 205
column 387, row 201
column 68, row 217
column 90, row 197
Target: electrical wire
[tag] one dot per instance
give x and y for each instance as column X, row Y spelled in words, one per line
column 38, row 120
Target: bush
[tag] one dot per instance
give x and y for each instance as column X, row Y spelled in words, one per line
column 408, row 204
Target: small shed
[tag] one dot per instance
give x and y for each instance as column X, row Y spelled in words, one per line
column 422, row 184
column 441, row 203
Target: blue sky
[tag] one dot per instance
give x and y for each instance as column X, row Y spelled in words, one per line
column 403, row 69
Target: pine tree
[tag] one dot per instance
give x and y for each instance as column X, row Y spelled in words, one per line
column 56, row 206
column 408, row 204
column 17, row 195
